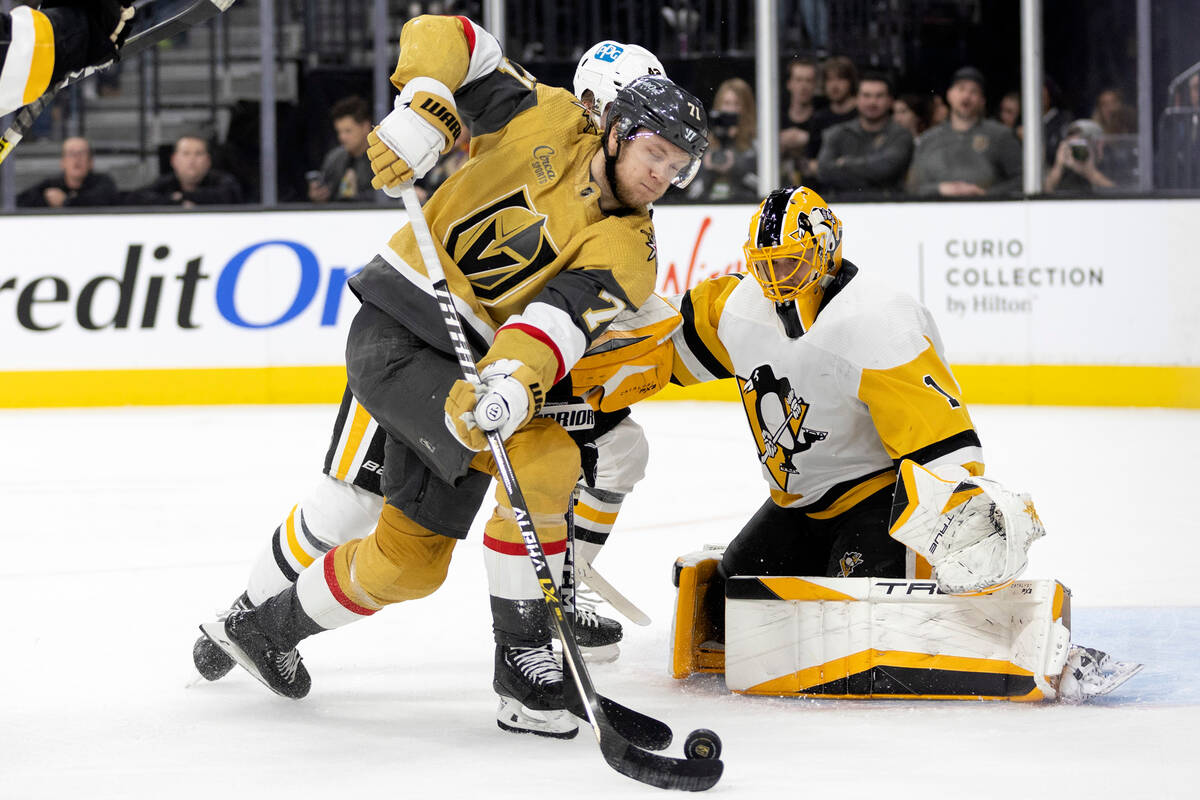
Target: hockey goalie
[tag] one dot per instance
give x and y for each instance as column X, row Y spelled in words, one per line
column 971, row 631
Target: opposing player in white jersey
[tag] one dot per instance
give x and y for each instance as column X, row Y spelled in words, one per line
column 39, row 47
column 346, row 501
column 874, row 470
column 841, row 378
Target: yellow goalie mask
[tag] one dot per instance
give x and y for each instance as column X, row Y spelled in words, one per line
column 794, row 249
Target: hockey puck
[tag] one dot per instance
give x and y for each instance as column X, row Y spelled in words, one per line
column 702, row 743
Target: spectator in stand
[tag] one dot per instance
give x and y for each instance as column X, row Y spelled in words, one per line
column 796, row 121
column 76, row 186
column 1008, row 113
column 870, row 153
column 345, row 173
column 911, row 112
column 966, row 155
column 191, row 182
column 1078, row 162
column 1055, row 119
column 841, row 89
column 939, row 112
column 730, row 166
column 1112, row 115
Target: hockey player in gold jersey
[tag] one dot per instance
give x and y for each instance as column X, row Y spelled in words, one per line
column 544, row 238
column 345, row 503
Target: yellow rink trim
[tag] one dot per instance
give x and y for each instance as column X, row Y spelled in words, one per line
column 1170, row 387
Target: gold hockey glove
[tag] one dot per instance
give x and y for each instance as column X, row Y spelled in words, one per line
column 421, row 128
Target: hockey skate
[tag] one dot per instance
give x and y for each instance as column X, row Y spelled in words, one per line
column 210, row 660
column 529, row 682
column 1091, row 673
column 596, row 636
column 241, row 639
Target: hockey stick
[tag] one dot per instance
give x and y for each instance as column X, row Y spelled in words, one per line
column 600, row 585
column 198, row 12
column 620, row 753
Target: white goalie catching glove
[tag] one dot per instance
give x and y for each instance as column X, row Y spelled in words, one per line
column 502, row 401
column 973, row 531
column 410, row 140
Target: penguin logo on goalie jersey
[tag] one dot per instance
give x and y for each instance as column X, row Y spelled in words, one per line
column 776, row 415
column 501, row 247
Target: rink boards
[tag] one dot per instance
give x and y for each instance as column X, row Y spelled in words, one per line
column 1038, row 302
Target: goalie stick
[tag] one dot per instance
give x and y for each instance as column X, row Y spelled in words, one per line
column 619, row 752
column 196, row 13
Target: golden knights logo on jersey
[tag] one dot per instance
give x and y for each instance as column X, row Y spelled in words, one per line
column 501, row 246
column 776, row 414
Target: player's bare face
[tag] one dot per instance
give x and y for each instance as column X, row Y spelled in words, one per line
column 645, row 168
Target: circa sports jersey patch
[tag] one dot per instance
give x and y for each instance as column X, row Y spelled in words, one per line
column 543, row 168
column 776, row 415
column 501, row 246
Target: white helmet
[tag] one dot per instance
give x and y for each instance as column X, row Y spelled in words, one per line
column 608, row 66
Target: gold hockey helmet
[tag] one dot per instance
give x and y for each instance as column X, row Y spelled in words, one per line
column 794, row 249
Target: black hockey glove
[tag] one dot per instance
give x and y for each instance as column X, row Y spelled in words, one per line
column 108, row 26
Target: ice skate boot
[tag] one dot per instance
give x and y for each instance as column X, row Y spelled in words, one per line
column 239, row 636
column 596, row 635
column 210, row 660
column 529, row 682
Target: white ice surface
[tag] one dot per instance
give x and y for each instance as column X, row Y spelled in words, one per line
column 122, row 529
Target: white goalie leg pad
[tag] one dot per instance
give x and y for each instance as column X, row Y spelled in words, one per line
column 332, row 512
column 889, row 638
column 974, row 532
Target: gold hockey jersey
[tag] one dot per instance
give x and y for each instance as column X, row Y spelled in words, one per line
column 520, row 232
column 834, row 411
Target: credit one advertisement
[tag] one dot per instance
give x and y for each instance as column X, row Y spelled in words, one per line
column 1086, row 282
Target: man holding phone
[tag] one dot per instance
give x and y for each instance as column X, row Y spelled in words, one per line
column 345, row 173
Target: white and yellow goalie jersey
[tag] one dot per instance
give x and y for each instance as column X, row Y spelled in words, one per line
column 835, row 410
